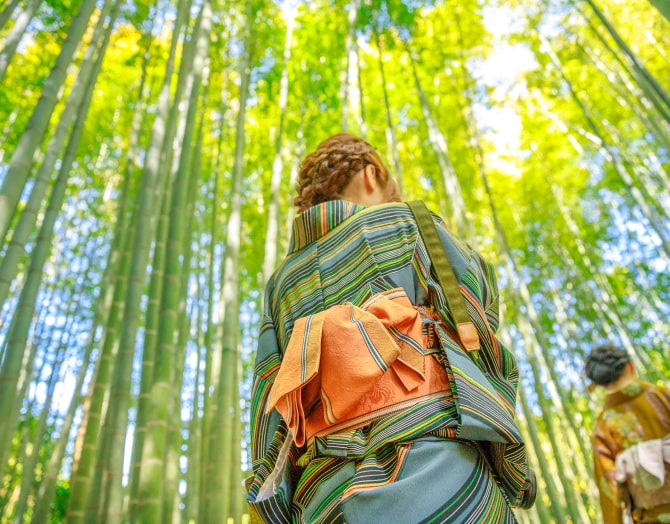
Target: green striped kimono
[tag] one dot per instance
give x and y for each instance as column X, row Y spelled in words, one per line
column 455, row 458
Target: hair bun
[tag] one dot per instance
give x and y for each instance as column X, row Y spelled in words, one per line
column 605, row 364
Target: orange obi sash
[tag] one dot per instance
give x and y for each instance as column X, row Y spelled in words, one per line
column 348, row 365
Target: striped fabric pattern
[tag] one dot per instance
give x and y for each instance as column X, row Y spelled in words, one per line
column 342, row 252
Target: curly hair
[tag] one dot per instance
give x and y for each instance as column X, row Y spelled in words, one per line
column 326, row 172
column 605, row 364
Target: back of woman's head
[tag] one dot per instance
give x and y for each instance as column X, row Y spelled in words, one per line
column 326, row 172
column 605, row 364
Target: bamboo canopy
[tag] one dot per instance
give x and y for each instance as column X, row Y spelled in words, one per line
column 148, row 153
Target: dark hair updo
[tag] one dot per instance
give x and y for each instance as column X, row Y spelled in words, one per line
column 605, row 364
column 326, row 172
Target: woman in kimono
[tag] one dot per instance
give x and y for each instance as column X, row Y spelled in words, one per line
column 631, row 440
column 365, row 406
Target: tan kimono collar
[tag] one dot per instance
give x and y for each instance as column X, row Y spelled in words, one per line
column 626, row 394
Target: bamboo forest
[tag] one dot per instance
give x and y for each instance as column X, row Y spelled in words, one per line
column 149, row 151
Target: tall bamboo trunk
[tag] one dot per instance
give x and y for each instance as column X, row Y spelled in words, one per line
column 17, row 246
column 6, row 130
column 194, row 442
column 56, row 362
column 172, row 474
column 110, row 307
column 31, row 138
column 298, row 151
column 164, row 194
column 272, row 233
column 546, row 475
column 110, row 449
column 7, row 12
column 194, row 439
column 45, row 492
column 152, row 497
column 575, row 509
column 212, row 357
column 223, row 465
column 172, row 504
column 150, row 340
column 452, row 188
column 351, row 35
column 663, row 7
column 638, row 194
column 11, row 506
column 391, row 139
column 641, row 71
column 361, row 93
column 17, row 350
column 634, row 98
column 12, row 40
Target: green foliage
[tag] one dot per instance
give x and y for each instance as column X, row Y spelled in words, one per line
column 60, row 502
column 538, row 97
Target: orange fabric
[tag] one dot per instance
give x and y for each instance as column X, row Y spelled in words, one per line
column 347, row 363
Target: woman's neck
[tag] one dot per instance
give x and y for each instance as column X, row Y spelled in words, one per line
column 621, row 383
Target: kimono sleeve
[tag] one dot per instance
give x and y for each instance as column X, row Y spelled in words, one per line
column 498, row 361
column 510, row 460
column 603, row 457
column 268, row 435
column 268, row 361
column 494, row 373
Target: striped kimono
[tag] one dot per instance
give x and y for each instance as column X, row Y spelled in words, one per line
column 455, row 455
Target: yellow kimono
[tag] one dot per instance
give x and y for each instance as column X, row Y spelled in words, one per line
column 638, row 412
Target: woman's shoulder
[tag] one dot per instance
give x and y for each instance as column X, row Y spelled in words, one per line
column 384, row 212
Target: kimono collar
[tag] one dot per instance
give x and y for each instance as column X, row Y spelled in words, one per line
column 318, row 220
column 626, row 393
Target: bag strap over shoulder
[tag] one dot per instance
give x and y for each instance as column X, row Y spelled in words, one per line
column 446, row 277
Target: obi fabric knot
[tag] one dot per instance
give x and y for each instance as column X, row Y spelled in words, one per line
column 347, row 363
